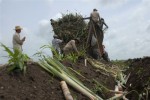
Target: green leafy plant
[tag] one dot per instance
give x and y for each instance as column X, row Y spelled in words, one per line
column 56, row 55
column 72, row 57
column 16, row 60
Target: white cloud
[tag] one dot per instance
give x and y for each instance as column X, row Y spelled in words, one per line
column 112, row 1
column 128, row 21
column 44, row 22
column 44, row 29
column 50, row 0
column 58, row 15
column 89, row 1
column 148, row 28
column 5, row 41
column 128, row 35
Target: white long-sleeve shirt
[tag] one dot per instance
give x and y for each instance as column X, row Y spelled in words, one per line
column 56, row 43
column 17, row 42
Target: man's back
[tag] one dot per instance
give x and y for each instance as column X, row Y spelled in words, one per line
column 95, row 16
column 69, row 45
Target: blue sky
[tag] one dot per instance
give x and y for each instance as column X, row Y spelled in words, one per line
column 128, row 21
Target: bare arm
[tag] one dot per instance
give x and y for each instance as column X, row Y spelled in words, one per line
column 86, row 18
column 99, row 17
column 105, row 24
column 74, row 46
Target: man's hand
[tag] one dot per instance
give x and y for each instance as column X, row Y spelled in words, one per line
column 23, row 39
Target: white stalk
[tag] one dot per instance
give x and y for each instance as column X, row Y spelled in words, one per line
column 66, row 91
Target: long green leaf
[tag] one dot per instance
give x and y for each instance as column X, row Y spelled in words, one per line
column 7, row 50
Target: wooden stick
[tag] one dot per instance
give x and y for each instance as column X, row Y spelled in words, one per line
column 85, row 62
column 66, row 91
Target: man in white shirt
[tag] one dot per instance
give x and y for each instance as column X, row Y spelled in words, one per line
column 105, row 54
column 17, row 41
column 56, row 44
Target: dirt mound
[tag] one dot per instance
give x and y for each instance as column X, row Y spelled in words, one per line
column 139, row 79
column 37, row 84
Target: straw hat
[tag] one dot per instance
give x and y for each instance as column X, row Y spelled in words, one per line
column 17, row 28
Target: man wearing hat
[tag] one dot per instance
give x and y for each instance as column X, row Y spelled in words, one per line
column 56, row 44
column 70, row 47
column 17, row 41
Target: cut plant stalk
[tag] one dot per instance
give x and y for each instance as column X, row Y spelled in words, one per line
column 76, row 72
column 103, row 67
column 117, row 97
column 55, row 67
column 70, row 75
column 66, row 91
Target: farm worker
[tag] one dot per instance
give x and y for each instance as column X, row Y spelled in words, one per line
column 71, row 47
column 17, row 41
column 105, row 54
column 56, row 44
column 95, row 17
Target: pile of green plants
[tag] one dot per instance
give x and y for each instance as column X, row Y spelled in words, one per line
column 69, row 27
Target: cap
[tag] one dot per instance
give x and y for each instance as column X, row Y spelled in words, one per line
column 55, row 36
column 94, row 9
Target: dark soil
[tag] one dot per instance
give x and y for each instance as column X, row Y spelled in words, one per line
column 139, row 79
column 37, row 84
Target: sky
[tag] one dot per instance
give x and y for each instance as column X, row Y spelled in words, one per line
column 128, row 35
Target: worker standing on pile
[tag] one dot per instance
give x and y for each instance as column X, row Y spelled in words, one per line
column 105, row 54
column 95, row 17
column 71, row 47
column 56, row 44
